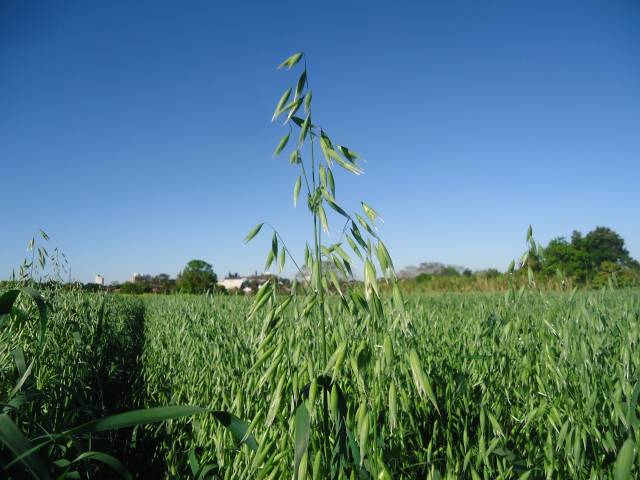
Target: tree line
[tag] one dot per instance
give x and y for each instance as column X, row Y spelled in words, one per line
column 593, row 260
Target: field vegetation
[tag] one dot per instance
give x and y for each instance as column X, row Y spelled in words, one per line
column 330, row 379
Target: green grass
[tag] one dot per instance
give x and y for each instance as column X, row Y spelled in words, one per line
column 535, row 384
column 461, row 385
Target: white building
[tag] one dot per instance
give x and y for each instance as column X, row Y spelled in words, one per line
column 99, row 280
column 135, row 276
column 232, row 283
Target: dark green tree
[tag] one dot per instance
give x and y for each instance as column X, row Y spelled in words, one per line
column 604, row 245
column 560, row 255
column 197, row 277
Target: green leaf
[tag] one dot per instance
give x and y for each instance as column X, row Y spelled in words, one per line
column 323, row 218
column 322, row 173
column 237, row 427
column 370, row 276
column 296, row 190
column 332, row 183
column 352, row 167
column 283, row 100
column 282, row 259
column 632, row 418
column 254, row 231
column 281, row 145
column 270, row 258
column 350, row 155
column 294, row 108
column 371, row 213
column 332, row 203
column 624, row 462
column 13, row 438
column 7, row 299
column 307, row 102
column 261, row 298
column 291, row 61
column 397, row 297
column 135, row 417
column 108, row 460
column 301, row 82
column 304, row 129
column 420, row 379
column 275, row 401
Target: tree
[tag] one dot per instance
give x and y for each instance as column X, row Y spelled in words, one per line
column 560, row 255
column 133, row 288
column 604, row 245
column 197, row 277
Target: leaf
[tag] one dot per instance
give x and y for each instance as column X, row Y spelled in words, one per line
column 237, row 427
column 7, row 299
column 301, row 82
column 294, row 108
column 254, row 231
column 291, row 61
column 294, row 158
column 420, row 379
column 275, row 401
column 370, row 276
column 332, row 203
column 261, row 298
column 24, row 375
column 135, row 417
column 363, row 438
column 371, row 213
column 624, row 462
column 304, row 129
column 323, row 219
column 352, row 167
column 281, row 102
column 270, row 258
column 393, row 407
column 296, row 190
column 350, row 155
column 13, row 438
column 397, row 297
column 307, row 102
column 302, row 432
column 281, row 145
column 632, row 418
column 110, row 461
column 282, row 259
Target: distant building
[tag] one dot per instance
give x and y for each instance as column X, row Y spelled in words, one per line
column 99, row 280
column 250, row 284
column 135, row 276
column 234, row 283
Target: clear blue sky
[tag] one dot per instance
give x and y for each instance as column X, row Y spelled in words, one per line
column 138, row 134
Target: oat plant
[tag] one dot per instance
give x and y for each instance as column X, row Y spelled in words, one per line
column 328, row 275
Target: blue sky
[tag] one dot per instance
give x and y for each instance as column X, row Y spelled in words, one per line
column 138, row 134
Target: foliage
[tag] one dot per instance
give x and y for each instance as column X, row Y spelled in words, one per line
column 564, row 256
column 197, row 277
column 538, row 383
column 592, row 259
column 317, row 178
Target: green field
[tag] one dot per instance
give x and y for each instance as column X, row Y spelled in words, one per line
column 524, row 385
